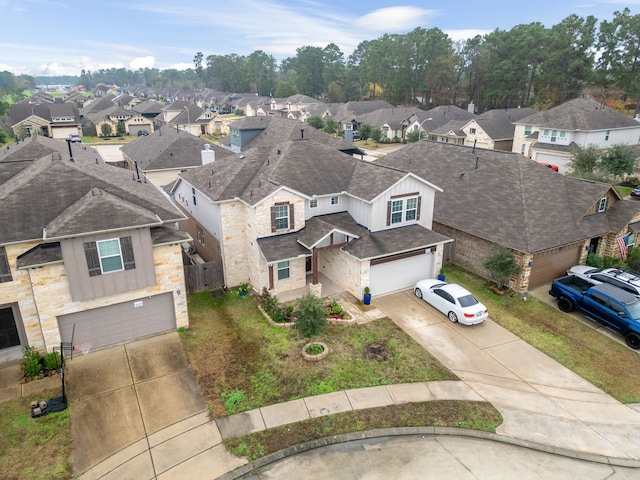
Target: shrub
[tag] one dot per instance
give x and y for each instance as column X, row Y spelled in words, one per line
column 232, row 400
column 501, row 265
column 32, row 367
column 594, row 260
column 52, row 361
column 311, row 316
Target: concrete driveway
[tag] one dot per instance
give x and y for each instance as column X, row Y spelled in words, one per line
column 540, row 400
column 136, row 412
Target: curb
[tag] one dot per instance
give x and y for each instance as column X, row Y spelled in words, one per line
column 430, row 431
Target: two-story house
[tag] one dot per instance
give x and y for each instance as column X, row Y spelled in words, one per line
column 550, row 136
column 189, row 117
column 287, row 215
column 494, row 198
column 87, row 254
column 54, row 120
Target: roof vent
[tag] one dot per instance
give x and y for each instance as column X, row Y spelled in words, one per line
column 208, row 156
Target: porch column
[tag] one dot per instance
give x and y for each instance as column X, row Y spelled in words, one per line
column 271, row 277
column 315, row 266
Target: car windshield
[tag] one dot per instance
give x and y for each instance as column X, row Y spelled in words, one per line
column 634, row 310
column 468, row 300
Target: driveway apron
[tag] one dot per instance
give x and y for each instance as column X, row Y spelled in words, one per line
column 539, row 399
column 136, row 412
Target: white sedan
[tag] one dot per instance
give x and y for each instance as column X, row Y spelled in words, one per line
column 454, row 301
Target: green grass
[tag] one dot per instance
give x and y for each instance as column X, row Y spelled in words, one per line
column 33, row 448
column 607, row 364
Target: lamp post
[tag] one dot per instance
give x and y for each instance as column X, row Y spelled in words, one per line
column 188, row 119
column 420, row 127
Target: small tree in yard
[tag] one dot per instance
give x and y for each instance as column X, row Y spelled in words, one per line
column 120, row 128
column 310, row 316
column 330, row 126
column 501, row 265
column 376, row 134
column 106, row 130
column 316, row 121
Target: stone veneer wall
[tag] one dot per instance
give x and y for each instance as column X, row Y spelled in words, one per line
column 46, row 295
column 345, row 270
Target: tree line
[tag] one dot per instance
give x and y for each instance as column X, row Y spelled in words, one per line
column 528, row 65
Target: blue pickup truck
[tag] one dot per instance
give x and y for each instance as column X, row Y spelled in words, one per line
column 608, row 305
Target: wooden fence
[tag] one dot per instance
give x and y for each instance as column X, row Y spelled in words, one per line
column 204, row 276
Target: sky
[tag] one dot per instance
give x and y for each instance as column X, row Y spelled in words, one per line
column 63, row 37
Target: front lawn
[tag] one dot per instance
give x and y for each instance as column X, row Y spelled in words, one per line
column 242, row 363
column 595, row 357
column 33, row 448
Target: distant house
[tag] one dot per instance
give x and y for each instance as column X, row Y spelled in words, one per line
column 551, row 136
column 431, row 121
column 392, row 122
column 131, row 120
column 492, row 198
column 189, row 117
column 92, row 256
column 54, row 120
column 160, row 157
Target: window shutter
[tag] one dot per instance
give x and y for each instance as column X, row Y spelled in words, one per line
column 93, row 259
column 273, row 219
column 127, row 253
column 5, row 270
column 291, row 217
column 388, row 213
column 418, row 209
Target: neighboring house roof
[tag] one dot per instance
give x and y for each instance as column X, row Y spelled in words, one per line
column 46, row 111
column 148, row 107
column 510, row 199
column 168, row 148
column 342, row 112
column 45, row 197
column 580, row 114
column 112, row 111
column 97, row 106
column 499, row 124
column 452, row 128
column 442, row 115
column 305, row 166
column 395, row 118
column 278, row 130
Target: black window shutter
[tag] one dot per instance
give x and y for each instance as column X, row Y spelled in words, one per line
column 418, row 208
column 291, row 217
column 93, row 259
column 127, row 253
column 273, row 219
column 388, row 213
column 5, row 270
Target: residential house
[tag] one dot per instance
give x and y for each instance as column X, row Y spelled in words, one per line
column 250, row 132
column 86, row 253
column 392, row 122
column 493, row 198
column 346, row 114
column 291, row 214
column 551, row 136
column 494, row 129
column 54, row 120
column 103, row 90
column 131, row 120
column 160, row 157
column 149, row 109
column 189, row 117
column 430, row 121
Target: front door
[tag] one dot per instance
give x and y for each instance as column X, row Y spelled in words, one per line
column 8, row 330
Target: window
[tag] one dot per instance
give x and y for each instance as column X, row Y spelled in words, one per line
column 523, row 148
column 602, row 205
column 546, row 133
column 200, row 234
column 606, row 136
column 402, row 210
column 563, row 134
column 313, row 203
column 283, row 270
column 106, row 256
column 5, row 270
column 554, row 135
column 193, row 194
column 472, row 131
column 527, row 129
column 281, row 217
column 334, row 200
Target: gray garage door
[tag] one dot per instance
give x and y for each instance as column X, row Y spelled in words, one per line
column 120, row 322
column 553, row 264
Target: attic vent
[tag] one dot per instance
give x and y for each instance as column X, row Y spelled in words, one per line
column 207, row 146
column 302, row 133
column 278, row 152
column 171, row 154
column 96, row 192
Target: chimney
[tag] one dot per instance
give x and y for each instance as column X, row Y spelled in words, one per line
column 471, row 108
column 208, row 155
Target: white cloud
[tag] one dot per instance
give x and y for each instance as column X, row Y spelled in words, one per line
column 465, row 34
column 393, row 19
column 142, row 62
column 181, row 66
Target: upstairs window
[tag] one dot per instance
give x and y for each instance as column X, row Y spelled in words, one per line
column 335, row 200
column 403, row 209
column 282, row 217
column 106, row 256
column 606, row 135
column 313, row 203
column 602, row 205
column 527, row 129
column 472, row 131
column 5, row 271
column 193, row 195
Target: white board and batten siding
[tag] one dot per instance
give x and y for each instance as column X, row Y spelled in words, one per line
column 408, row 185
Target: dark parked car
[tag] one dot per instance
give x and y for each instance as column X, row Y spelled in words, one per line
column 143, row 133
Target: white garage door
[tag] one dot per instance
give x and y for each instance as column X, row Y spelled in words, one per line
column 120, row 322
column 400, row 274
column 63, row 132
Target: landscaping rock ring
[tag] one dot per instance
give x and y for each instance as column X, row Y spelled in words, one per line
column 317, row 357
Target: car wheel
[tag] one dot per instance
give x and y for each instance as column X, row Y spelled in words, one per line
column 633, row 340
column 418, row 293
column 565, row 304
column 453, row 317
